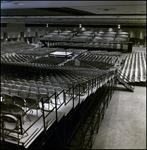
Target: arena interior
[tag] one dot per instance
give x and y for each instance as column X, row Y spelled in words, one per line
column 72, row 85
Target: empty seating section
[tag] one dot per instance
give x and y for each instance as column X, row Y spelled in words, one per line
column 16, row 82
column 134, row 67
column 9, row 47
column 22, row 88
column 93, row 59
column 15, row 58
column 49, row 60
column 31, row 60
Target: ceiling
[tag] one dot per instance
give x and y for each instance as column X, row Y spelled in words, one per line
column 74, row 12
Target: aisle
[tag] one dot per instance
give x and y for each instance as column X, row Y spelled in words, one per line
column 124, row 123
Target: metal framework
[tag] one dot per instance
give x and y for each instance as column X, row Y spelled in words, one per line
column 92, row 117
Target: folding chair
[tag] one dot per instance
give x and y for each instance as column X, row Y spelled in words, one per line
column 8, row 99
column 11, row 124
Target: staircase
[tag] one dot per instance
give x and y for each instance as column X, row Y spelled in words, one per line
column 125, row 80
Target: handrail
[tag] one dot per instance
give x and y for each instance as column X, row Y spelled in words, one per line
column 66, row 93
column 124, row 77
column 63, row 98
column 128, row 86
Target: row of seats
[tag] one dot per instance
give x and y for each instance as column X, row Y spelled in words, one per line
column 19, row 59
column 58, row 35
column 16, row 58
column 134, row 67
column 49, row 60
column 83, row 36
column 111, row 37
column 89, row 64
column 19, row 107
column 112, row 53
column 16, row 104
column 97, row 57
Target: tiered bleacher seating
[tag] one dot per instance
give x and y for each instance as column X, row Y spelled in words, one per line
column 58, row 35
column 84, row 36
column 104, row 37
column 134, row 67
column 110, row 40
column 122, row 37
column 89, row 39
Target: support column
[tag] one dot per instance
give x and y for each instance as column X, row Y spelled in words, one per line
column 33, row 40
column 22, row 37
column 5, row 37
column 36, row 38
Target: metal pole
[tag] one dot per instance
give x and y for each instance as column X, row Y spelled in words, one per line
column 73, row 96
column 88, row 87
column 43, row 114
column 64, row 98
column 56, row 107
column 20, row 125
column 79, row 92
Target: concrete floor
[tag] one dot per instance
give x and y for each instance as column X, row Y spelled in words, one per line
column 124, row 123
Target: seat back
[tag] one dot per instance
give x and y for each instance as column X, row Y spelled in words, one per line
column 16, row 109
column 10, row 121
column 19, row 100
column 31, row 103
column 4, row 107
column 8, row 99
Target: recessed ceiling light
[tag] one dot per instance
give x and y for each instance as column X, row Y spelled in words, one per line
column 106, row 9
column 19, row 3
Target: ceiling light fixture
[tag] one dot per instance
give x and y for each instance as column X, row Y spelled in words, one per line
column 119, row 26
column 106, row 9
column 20, row 4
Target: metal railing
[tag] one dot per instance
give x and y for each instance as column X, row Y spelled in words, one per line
column 125, row 80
